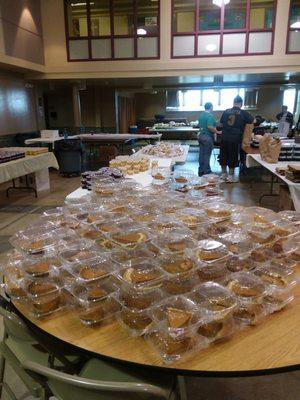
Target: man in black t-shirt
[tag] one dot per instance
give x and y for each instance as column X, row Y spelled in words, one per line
column 233, row 121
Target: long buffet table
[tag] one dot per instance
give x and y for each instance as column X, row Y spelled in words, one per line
column 254, row 160
column 39, row 165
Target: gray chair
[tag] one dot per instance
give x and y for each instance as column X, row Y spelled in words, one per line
column 19, row 345
column 101, row 380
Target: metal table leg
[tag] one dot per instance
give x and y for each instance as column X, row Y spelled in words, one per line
column 271, row 194
column 27, row 187
column 181, row 387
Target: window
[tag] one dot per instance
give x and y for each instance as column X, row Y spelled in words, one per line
column 194, row 99
column 112, row 29
column 289, row 99
column 203, row 28
column 293, row 42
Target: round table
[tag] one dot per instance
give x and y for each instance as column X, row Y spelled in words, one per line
column 271, row 347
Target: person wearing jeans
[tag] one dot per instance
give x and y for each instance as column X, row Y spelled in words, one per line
column 207, row 125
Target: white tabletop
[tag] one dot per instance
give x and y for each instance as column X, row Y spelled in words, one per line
column 175, row 129
column 116, row 136
column 47, row 140
column 176, row 160
column 254, row 160
column 26, row 165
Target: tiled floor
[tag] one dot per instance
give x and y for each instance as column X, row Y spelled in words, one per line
column 21, row 209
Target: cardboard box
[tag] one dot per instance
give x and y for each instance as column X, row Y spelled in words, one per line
column 285, row 200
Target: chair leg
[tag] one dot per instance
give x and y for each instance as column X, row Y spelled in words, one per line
column 8, row 390
column 2, row 370
column 181, row 387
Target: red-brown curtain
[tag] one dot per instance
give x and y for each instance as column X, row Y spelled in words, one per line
column 127, row 114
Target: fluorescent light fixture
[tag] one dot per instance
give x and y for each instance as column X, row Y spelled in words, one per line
column 211, row 47
column 141, row 31
column 81, row 4
column 219, row 3
column 296, row 25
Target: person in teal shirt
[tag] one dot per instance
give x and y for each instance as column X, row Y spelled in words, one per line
column 207, row 130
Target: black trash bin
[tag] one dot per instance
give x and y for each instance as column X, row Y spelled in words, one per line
column 69, row 156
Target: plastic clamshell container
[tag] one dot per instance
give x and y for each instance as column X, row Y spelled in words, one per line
column 164, row 224
column 260, row 255
column 53, row 212
column 176, row 285
column 130, row 238
column 88, row 293
column 277, row 299
column 33, row 241
column 110, row 224
column 285, row 245
column 250, row 313
column 218, row 328
column 97, row 312
column 124, row 257
column 119, row 209
column 183, row 177
column 171, row 208
column 210, row 250
column 216, row 299
column 260, row 233
column 176, row 315
column 238, row 263
column 92, row 269
column 262, row 215
column 41, row 287
column 213, row 271
column 284, row 228
column 160, row 176
column 90, row 232
column 172, row 349
column 218, row 210
column 16, row 290
column 143, row 218
column 41, row 267
column 136, row 322
column 78, row 254
column 177, row 265
column 198, row 184
column 104, row 190
column 276, row 276
column 191, row 217
column 291, row 216
column 44, row 306
column 142, row 273
column 246, row 286
column 175, row 242
column 237, row 241
column 138, row 299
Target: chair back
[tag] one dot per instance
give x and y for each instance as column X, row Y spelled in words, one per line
column 14, row 325
column 73, row 387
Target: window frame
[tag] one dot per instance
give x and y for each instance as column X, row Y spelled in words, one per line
column 289, row 30
column 112, row 36
column 247, row 30
column 241, row 90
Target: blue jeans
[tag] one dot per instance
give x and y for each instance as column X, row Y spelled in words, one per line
column 206, row 145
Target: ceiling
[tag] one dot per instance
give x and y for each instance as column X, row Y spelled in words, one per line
column 184, row 81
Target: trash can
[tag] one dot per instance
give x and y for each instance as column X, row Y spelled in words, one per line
column 69, row 156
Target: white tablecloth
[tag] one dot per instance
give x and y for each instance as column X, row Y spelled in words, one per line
column 143, row 178
column 176, row 160
column 254, row 160
column 118, row 137
column 27, row 165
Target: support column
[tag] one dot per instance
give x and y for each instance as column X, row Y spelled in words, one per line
column 76, row 105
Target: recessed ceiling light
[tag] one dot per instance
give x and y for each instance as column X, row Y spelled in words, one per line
column 141, row 31
column 211, row 47
column 219, row 3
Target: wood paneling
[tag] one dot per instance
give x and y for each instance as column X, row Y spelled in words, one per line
column 17, row 105
column 22, row 29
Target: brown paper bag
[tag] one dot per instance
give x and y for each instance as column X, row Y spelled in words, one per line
column 269, row 149
column 247, row 136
